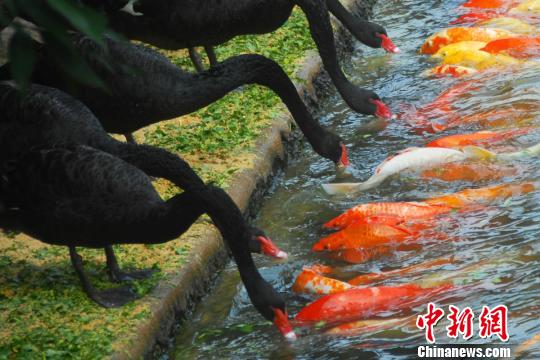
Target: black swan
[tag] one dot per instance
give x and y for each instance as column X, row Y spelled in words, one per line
column 183, row 24
column 144, row 87
column 79, row 196
column 370, row 34
column 47, row 116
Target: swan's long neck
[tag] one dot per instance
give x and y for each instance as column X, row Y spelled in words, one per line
column 255, row 69
column 321, row 30
column 351, row 22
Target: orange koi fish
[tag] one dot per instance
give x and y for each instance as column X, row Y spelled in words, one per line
column 470, row 172
column 310, row 281
column 358, row 303
column 475, row 17
column 519, row 47
column 369, row 278
column 403, row 210
column 490, row 4
column 442, row 105
column 482, row 195
column 488, row 118
column 453, row 70
column 477, row 138
column 361, row 327
column 359, row 235
column 457, row 34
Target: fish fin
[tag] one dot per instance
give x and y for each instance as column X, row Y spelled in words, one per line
column 477, row 152
column 335, row 189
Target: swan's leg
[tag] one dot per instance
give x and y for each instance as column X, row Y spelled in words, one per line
column 109, row 298
column 196, row 59
column 117, row 275
column 211, row 55
column 130, row 139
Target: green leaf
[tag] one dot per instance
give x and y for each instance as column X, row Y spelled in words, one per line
column 22, row 56
column 84, row 19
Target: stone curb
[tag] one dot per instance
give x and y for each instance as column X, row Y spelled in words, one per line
column 173, row 299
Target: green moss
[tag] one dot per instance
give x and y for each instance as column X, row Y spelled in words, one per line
column 44, row 313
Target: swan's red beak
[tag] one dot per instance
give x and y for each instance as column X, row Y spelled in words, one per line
column 270, row 249
column 344, row 159
column 387, row 44
column 281, row 320
column 382, row 111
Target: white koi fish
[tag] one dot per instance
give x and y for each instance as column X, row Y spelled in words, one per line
column 421, row 158
column 411, row 158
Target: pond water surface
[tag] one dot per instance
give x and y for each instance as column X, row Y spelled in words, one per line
column 502, row 237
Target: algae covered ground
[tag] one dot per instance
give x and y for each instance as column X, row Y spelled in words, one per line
column 43, row 311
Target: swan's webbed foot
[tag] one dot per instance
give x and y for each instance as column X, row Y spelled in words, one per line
column 108, row 298
column 117, row 275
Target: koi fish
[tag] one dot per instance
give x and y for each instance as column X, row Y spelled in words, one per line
column 519, row 47
column 489, row 4
column 402, row 210
column 474, row 17
column 513, row 25
column 482, row 195
column 358, row 303
column 479, row 60
column 442, row 105
column 457, row 34
column 457, row 47
column 527, row 345
column 453, row 70
column 361, row 327
column 469, row 172
column 477, row 138
column 411, row 158
column 370, row 278
column 488, row 118
column 526, row 7
column 359, row 235
column 484, row 154
column 310, row 281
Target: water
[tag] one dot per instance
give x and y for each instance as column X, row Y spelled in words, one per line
column 505, row 236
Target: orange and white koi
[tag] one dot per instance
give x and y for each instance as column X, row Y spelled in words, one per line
column 457, row 34
column 360, row 303
column 477, row 138
column 452, row 70
column 310, row 281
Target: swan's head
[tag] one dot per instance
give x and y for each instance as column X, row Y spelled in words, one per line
column 262, row 244
column 272, row 306
column 366, row 102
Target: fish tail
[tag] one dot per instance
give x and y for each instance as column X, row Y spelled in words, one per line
column 477, row 152
column 346, row 188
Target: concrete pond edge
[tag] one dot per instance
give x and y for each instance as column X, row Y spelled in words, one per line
column 173, row 300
